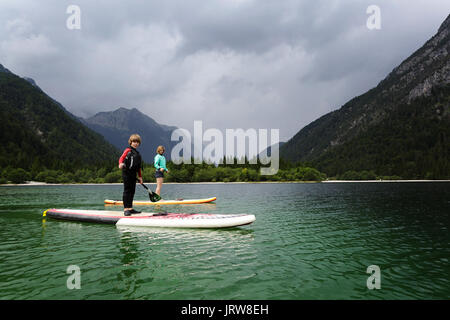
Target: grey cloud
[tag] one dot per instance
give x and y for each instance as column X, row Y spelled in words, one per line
column 248, row 63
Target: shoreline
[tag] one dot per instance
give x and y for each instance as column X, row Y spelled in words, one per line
column 37, row 183
column 372, row 181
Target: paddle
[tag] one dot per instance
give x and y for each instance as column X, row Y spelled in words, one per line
column 154, row 197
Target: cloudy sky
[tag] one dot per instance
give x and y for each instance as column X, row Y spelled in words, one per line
column 263, row 64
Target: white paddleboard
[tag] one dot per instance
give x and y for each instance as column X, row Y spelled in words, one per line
column 148, row 219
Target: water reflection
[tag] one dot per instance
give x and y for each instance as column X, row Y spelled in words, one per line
column 129, row 255
column 217, row 235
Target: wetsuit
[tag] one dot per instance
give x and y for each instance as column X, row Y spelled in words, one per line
column 133, row 162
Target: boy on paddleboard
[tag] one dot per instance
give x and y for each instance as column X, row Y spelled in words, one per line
column 160, row 165
column 130, row 163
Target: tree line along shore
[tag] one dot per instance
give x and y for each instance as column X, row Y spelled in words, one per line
column 184, row 173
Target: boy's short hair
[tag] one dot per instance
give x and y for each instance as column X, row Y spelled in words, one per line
column 160, row 148
column 134, row 138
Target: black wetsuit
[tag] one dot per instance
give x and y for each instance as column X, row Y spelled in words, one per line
column 133, row 162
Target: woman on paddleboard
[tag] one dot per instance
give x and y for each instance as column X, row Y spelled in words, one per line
column 160, row 165
column 130, row 163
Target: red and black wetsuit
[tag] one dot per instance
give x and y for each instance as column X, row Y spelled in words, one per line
column 133, row 162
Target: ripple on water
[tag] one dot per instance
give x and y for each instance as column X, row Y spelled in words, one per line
column 309, row 241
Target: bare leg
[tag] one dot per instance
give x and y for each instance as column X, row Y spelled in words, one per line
column 159, row 182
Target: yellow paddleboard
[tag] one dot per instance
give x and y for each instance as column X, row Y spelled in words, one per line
column 162, row 202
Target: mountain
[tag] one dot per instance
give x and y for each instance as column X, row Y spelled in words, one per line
column 38, row 132
column 4, row 70
column 400, row 127
column 117, row 126
column 268, row 151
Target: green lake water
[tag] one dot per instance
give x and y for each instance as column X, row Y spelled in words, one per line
column 309, row 241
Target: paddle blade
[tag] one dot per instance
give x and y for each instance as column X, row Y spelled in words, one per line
column 150, row 195
column 156, row 197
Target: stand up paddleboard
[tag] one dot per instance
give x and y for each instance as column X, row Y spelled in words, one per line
column 162, row 202
column 146, row 219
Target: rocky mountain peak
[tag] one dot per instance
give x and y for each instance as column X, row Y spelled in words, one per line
column 116, row 126
column 3, row 69
column 445, row 24
column 428, row 67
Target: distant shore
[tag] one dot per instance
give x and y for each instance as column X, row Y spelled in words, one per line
column 365, row 181
column 37, row 183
